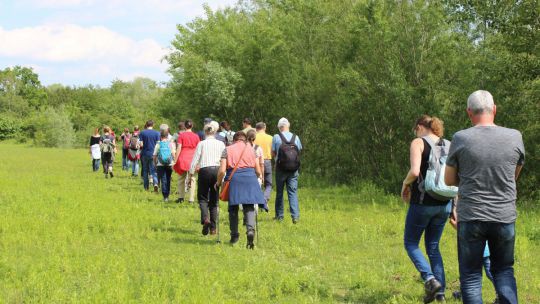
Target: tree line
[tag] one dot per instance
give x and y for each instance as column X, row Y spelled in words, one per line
column 351, row 76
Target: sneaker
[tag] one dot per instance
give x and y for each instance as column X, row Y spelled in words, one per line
column 279, row 219
column 179, row 200
column 431, row 288
column 166, row 200
column 234, row 239
column 250, row 238
column 206, row 227
column 112, row 175
column 440, row 298
column 156, row 188
column 295, row 220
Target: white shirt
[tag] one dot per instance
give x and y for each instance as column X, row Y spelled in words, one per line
column 207, row 154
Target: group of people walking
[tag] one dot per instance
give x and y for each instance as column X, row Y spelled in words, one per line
column 484, row 161
column 213, row 158
column 471, row 181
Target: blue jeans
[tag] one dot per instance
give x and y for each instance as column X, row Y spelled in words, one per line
column 267, row 179
column 95, row 164
column 290, row 179
column 430, row 221
column 135, row 167
column 148, row 166
column 125, row 159
column 472, row 237
column 164, row 173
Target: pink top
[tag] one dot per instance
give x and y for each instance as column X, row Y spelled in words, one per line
column 233, row 156
column 189, row 141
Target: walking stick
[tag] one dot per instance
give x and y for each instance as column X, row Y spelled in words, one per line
column 257, row 226
column 218, row 239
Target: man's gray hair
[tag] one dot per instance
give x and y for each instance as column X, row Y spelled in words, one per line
column 480, row 102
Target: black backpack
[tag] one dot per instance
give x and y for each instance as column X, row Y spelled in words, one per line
column 288, row 154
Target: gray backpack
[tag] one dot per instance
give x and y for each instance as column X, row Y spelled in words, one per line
column 433, row 182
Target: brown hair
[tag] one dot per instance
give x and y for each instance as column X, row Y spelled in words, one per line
column 251, row 134
column 240, row 135
column 432, row 123
column 106, row 129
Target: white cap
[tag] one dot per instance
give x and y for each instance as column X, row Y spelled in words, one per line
column 283, row 122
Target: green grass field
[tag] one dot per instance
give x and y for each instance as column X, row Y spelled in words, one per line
column 69, row 235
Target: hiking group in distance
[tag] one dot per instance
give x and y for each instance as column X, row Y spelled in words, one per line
column 470, row 182
column 223, row 164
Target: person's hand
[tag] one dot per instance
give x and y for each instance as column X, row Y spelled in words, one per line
column 217, row 185
column 197, row 168
column 188, row 181
column 453, row 218
column 406, row 193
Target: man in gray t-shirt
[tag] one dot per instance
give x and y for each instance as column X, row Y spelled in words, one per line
column 485, row 161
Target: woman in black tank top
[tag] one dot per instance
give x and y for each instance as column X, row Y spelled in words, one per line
column 426, row 215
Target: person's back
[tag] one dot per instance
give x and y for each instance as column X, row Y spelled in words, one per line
column 149, row 138
column 485, row 162
column 487, row 157
column 264, row 141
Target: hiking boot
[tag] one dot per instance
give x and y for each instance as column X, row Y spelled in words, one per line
column 206, row 227
column 234, row 239
column 156, row 188
column 179, row 200
column 250, row 238
column 112, row 175
column 440, row 298
column 431, row 288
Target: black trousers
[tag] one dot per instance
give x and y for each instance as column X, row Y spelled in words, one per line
column 207, row 195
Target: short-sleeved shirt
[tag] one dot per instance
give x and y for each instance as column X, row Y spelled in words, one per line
column 94, row 140
column 149, row 139
column 172, row 147
column 233, row 152
column 276, row 141
column 264, row 141
column 486, row 158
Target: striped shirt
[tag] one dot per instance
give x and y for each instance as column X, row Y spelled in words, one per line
column 207, row 154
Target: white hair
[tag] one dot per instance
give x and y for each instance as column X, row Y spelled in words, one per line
column 164, row 130
column 283, row 122
column 211, row 128
column 480, row 102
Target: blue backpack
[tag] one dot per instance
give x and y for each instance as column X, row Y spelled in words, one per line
column 165, row 156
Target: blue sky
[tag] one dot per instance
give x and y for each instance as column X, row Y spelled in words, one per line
column 79, row 42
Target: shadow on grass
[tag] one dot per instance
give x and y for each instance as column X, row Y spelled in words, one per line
column 174, row 230
column 194, row 239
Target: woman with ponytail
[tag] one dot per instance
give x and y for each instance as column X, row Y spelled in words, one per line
column 426, row 215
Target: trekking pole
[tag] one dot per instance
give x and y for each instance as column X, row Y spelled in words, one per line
column 257, row 226
column 218, row 239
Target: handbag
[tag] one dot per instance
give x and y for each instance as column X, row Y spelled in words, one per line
column 224, row 194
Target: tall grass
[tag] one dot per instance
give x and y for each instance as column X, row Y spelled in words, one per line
column 69, row 235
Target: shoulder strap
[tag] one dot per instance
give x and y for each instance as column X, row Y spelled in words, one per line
column 236, row 166
column 429, row 141
column 284, row 140
column 293, row 140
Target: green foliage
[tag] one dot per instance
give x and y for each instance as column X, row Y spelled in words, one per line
column 352, row 76
column 9, row 127
column 76, row 237
column 53, row 128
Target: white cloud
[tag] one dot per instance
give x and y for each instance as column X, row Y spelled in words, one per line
column 65, row 43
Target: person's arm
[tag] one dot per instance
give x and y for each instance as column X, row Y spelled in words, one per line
column 417, row 146
column 518, row 171
column 154, row 156
column 178, row 150
column 195, row 160
column 221, row 172
column 274, row 147
column 453, row 215
column 258, row 169
column 451, row 177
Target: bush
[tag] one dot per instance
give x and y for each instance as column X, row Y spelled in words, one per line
column 9, row 127
column 53, row 128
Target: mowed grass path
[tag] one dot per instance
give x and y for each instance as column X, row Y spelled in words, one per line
column 69, row 235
